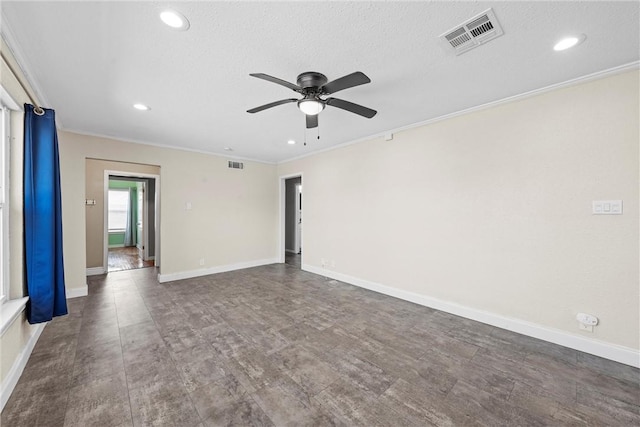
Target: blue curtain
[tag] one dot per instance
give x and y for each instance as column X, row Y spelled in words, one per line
column 129, row 235
column 42, row 218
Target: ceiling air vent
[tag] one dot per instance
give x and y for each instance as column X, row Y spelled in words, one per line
column 471, row 34
column 236, row 165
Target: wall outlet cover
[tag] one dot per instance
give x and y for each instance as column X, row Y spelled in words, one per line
column 587, row 319
column 586, row 328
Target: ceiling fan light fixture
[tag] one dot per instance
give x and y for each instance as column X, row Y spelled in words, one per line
column 313, row 86
column 310, row 107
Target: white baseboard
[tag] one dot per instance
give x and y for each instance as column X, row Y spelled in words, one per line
column 121, row 245
column 291, row 251
column 19, row 364
column 213, row 270
column 152, row 258
column 618, row 353
column 82, row 291
column 96, row 271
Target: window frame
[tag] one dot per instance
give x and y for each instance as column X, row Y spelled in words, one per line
column 11, row 306
column 5, row 161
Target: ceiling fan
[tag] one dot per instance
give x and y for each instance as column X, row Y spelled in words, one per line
column 313, row 86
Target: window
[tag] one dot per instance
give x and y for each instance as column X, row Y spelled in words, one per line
column 4, row 209
column 11, row 308
column 118, row 207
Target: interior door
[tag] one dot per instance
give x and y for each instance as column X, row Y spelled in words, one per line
column 140, row 222
column 298, row 247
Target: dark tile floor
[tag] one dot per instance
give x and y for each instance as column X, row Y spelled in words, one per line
column 278, row 346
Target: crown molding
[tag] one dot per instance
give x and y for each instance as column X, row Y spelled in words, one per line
column 568, row 83
column 23, row 65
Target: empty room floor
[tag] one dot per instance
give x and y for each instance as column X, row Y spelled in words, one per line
column 126, row 258
column 275, row 345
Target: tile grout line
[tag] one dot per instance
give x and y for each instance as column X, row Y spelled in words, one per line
column 75, row 354
column 250, row 396
column 124, row 366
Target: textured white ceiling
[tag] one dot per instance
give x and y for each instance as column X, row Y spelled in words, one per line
column 91, row 61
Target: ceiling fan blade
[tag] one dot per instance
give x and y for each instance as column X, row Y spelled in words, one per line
column 350, row 106
column 272, row 104
column 354, row 79
column 277, row 81
column 312, row 121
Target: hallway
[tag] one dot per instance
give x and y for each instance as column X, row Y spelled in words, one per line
column 294, row 260
column 126, row 258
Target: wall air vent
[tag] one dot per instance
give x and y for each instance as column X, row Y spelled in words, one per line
column 236, row 165
column 474, row 32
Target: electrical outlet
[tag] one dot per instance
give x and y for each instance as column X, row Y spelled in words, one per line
column 586, row 328
column 324, row 262
column 201, row 261
column 586, row 322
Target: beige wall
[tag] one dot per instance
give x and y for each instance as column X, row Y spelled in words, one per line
column 94, row 214
column 16, row 337
column 232, row 217
column 492, row 210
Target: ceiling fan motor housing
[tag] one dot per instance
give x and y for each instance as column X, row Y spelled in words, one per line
column 311, row 80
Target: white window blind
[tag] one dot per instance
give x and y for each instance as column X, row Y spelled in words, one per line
column 118, row 207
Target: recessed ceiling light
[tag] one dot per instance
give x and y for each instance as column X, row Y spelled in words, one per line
column 569, row 42
column 175, row 20
column 291, row 142
column 228, row 149
column 141, row 107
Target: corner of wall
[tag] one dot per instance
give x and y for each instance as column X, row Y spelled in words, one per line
column 170, row 277
column 81, row 291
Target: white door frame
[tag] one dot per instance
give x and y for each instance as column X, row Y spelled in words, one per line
column 298, row 220
column 143, row 245
column 281, row 217
column 105, row 246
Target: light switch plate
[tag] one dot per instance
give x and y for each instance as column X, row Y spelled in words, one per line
column 607, row 207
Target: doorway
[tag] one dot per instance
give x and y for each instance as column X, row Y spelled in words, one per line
column 130, row 221
column 293, row 220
